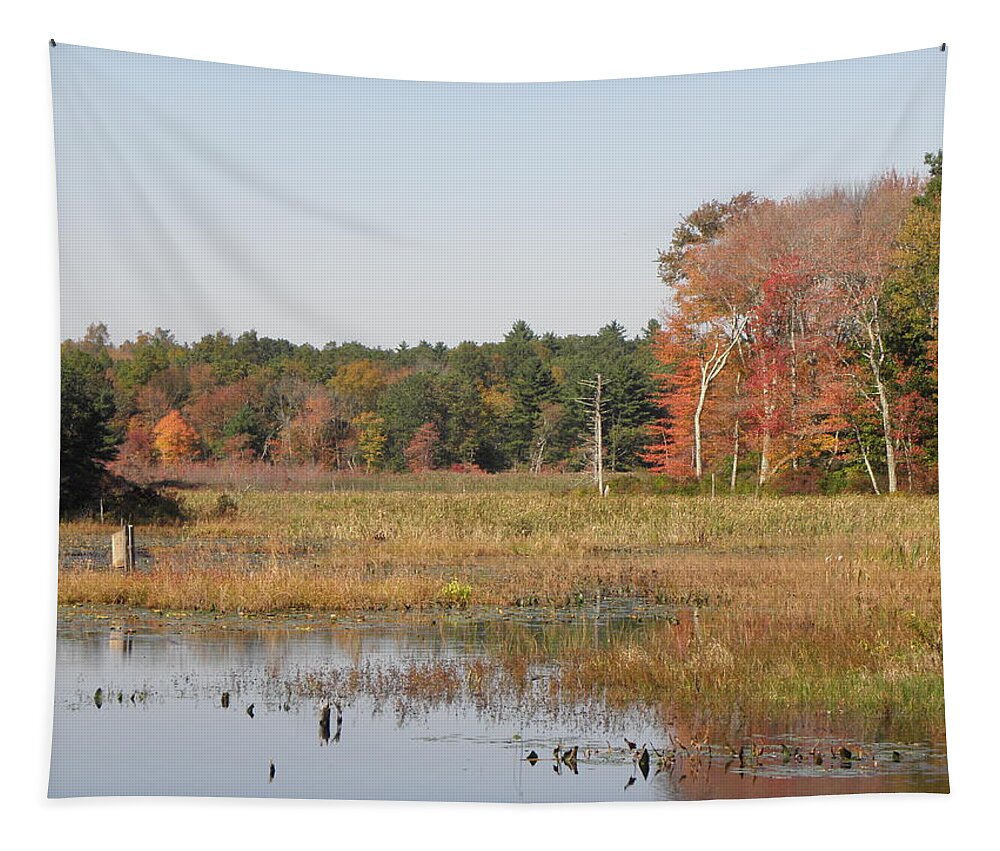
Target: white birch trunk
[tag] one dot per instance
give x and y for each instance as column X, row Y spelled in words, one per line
column 697, row 423
column 736, row 457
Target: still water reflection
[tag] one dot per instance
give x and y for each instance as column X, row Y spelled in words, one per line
column 401, row 709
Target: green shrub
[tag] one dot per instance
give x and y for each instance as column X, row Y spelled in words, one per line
column 456, row 593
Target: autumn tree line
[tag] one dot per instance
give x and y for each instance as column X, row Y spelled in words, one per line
column 801, row 339
column 798, row 351
column 155, row 403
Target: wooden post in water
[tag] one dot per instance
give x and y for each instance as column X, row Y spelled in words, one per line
column 118, row 549
column 123, row 548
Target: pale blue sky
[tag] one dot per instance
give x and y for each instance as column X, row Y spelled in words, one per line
column 197, row 196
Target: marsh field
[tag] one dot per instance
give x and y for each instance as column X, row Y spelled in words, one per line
column 505, row 643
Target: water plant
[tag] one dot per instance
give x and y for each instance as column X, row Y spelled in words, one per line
column 456, row 593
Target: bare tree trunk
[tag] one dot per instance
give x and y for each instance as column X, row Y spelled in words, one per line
column 765, row 442
column 890, row 450
column 736, row 440
column 593, row 406
column 711, row 368
column 536, row 467
column 876, row 355
column 697, row 425
column 736, row 457
column 598, row 438
column 868, row 465
column 765, row 466
column 267, row 445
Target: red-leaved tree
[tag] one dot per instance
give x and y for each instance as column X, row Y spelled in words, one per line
column 419, row 452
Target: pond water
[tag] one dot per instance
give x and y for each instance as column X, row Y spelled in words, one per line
column 149, row 704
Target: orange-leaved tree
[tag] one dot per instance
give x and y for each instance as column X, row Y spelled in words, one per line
column 174, row 439
column 712, row 295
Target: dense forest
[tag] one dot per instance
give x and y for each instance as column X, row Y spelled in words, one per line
column 798, row 351
column 473, row 407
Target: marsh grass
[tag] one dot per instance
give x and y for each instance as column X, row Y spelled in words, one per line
column 420, row 525
column 828, row 604
column 241, row 476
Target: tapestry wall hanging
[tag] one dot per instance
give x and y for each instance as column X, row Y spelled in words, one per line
column 569, row 441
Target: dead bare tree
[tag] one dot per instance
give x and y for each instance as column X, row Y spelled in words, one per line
column 594, row 406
